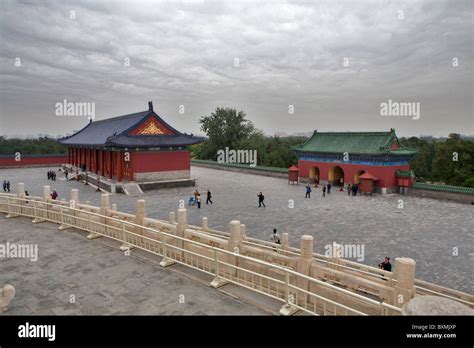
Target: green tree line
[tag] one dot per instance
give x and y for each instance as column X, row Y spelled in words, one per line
column 450, row 161
column 42, row 145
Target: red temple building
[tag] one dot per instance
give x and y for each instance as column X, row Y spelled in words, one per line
column 341, row 157
column 139, row 147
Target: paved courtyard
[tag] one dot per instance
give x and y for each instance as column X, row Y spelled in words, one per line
column 425, row 229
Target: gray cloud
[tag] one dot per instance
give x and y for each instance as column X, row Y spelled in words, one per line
column 289, row 53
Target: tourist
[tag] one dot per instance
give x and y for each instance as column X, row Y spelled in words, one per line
column 5, row 185
column 354, row 189
column 341, row 184
column 198, row 200
column 275, row 237
column 308, row 191
column 386, row 265
column 329, row 188
column 349, row 189
column 66, row 173
column 8, row 185
column 196, row 193
column 261, row 198
column 54, row 194
column 208, row 197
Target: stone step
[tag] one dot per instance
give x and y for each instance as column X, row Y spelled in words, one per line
column 132, row 189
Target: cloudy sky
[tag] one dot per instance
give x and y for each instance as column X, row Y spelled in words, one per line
column 332, row 62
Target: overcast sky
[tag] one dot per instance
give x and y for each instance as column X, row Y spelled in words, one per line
column 260, row 57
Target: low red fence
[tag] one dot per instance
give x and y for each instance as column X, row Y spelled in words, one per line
column 36, row 160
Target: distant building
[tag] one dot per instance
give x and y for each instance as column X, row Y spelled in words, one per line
column 137, row 147
column 332, row 156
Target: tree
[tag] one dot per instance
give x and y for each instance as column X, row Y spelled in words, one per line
column 225, row 128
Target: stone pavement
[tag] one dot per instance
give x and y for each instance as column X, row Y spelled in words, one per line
column 101, row 280
column 425, row 229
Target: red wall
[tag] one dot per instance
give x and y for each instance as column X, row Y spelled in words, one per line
column 385, row 174
column 160, row 161
column 36, row 160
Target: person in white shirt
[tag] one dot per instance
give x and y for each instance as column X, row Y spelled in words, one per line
column 275, row 237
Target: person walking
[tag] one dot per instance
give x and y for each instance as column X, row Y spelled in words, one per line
column 208, row 198
column 8, row 185
column 4, row 185
column 329, row 188
column 308, row 191
column 349, row 189
column 275, row 237
column 324, row 191
column 198, row 200
column 261, row 199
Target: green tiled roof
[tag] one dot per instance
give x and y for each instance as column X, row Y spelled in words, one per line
column 405, row 173
column 353, row 143
column 447, row 188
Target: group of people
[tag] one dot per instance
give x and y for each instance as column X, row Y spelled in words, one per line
column 196, row 199
column 51, row 175
column 326, row 188
column 6, row 185
column 353, row 189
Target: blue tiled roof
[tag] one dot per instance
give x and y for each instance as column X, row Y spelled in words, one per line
column 113, row 132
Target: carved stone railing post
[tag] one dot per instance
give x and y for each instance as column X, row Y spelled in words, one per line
column 234, row 244
column 303, row 265
column 405, row 275
column 180, row 227
column 7, row 293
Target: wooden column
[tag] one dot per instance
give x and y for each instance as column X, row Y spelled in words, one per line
column 110, row 163
column 89, row 159
column 93, row 161
column 103, row 163
column 131, row 166
column 119, row 166
column 96, row 161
